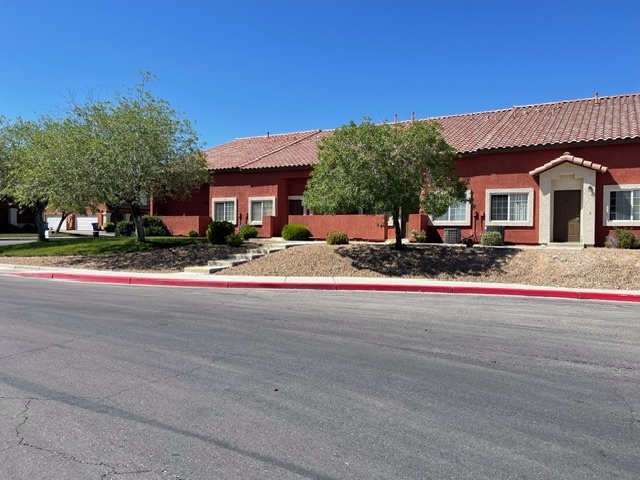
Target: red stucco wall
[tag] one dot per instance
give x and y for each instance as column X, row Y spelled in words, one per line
column 182, row 225
column 357, row 227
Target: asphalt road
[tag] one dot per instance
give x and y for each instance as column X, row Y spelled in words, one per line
column 114, row 382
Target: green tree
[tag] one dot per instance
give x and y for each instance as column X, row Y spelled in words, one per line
column 393, row 168
column 138, row 148
column 30, row 154
column 40, row 167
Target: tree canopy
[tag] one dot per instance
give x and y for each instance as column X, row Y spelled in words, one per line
column 138, row 148
column 38, row 167
column 126, row 151
column 387, row 168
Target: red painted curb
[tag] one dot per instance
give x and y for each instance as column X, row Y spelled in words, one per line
column 455, row 289
column 380, row 287
column 179, row 282
column 91, row 278
column 32, row 274
column 282, row 285
column 620, row 297
column 523, row 292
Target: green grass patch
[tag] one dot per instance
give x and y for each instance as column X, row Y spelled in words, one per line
column 94, row 246
column 18, row 235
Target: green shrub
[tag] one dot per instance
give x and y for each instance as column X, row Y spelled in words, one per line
column 154, row 227
column 492, row 239
column 248, row 231
column 419, row 237
column 28, row 228
column 218, row 231
column 126, row 229
column 109, row 227
column 234, row 240
column 295, row 231
column 193, row 233
column 626, row 238
column 337, row 238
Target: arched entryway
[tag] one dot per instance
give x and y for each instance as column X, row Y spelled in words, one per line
column 567, row 200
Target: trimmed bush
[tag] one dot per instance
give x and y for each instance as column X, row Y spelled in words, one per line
column 217, row 232
column 192, row 234
column 295, row 231
column 248, row 231
column 337, row 238
column 234, row 240
column 492, row 239
column 419, row 237
column 154, row 227
column 126, row 229
column 109, row 227
column 626, row 238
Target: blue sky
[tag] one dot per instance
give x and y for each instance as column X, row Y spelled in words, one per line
column 241, row 68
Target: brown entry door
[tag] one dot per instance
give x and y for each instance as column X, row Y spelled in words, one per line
column 566, row 215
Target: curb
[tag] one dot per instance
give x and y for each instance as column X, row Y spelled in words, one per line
column 337, row 286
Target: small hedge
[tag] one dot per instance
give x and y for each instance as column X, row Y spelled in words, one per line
column 192, row 234
column 218, row 231
column 337, row 238
column 248, row 231
column 126, row 229
column 295, row 231
column 234, row 240
column 109, row 227
column 154, row 227
column 492, row 239
column 622, row 238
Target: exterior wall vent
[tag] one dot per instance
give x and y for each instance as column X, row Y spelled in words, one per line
column 495, row 228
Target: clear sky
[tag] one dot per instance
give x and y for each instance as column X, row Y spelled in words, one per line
column 241, row 68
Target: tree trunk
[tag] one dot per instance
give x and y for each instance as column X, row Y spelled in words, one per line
column 62, row 219
column 39, row 209
column 137, row 220
column 115, row 211
column 397, row 223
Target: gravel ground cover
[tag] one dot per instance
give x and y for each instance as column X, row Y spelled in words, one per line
column 597, row 268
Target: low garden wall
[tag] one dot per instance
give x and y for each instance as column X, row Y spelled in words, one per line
column 181, row 225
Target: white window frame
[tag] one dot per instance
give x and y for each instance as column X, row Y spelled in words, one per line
column 305, row 210
column 253, row 221
column 225, row 200
column 607, row 201
column 507, row 191
column 458, row 223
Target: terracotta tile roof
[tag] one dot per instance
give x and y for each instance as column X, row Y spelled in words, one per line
column 592, row 119
column 263, row 152
column 567, row 157
column 558, row 123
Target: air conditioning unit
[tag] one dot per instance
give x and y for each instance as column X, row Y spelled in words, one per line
column 452, row 235
column 495, row 228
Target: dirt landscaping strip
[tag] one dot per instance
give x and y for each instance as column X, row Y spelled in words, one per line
column 590, row 268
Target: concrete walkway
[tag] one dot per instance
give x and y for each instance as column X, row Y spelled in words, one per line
column 185, row 279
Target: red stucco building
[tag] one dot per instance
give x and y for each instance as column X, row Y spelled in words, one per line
column 555, row 172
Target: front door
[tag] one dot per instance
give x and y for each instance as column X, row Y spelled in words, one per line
column 566, row 215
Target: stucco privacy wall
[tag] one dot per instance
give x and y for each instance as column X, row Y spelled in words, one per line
column 182, row 225
column 362, row 227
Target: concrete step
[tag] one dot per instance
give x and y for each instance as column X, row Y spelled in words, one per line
column 206, row 270
column 238, row 258
column 228, row 262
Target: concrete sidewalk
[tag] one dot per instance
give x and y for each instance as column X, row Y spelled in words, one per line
column 183, row 279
